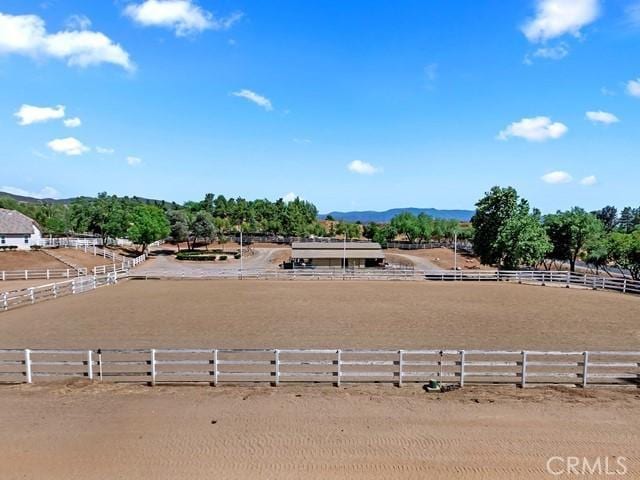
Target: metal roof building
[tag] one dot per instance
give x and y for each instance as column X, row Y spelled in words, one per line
column 332, row 254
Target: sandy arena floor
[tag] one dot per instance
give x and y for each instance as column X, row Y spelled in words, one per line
column 290, row 314
column 86, row 432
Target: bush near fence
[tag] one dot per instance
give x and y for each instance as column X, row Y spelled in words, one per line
column 336, row 366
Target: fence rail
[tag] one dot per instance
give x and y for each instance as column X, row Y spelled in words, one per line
column 31, row 295
column 541, row 277
column 334, row 366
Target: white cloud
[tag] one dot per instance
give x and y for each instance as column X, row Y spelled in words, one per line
column 46, row 192
column 589, row 181
column 105, row 150
column 362, row 168
column 552, row 53
column 27, row 35
column 431, row 75
column 29, row 114
column 182, row 16
column 556, row 177
column 69, row 146
column 302, row 141
column 555, row 18
column 602, row 117
column 633, row 14
column 291, row 196
column 134, row 161
column 536, row 129
column 72, row 122
column 78, row 22
column 607, row 92
column 258, row 99
column 633, row 87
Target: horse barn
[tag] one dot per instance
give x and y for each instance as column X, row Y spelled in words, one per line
column 332, row 254
column 17, row 231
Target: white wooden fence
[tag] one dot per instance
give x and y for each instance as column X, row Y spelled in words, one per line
column 541, row 277
column 31, row 295
column 42, row 274
column 276, row 366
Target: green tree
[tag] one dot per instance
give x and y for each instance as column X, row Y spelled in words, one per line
column 179, row 226
column 406, row 224
column 570, row 232
column 608, row 216
column 522, row 239
column 493, row 211
column 624, row 250
column 203, row 226
column 148, row 224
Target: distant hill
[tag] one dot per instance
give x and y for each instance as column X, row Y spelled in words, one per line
column 62, row 201
column 386, row 216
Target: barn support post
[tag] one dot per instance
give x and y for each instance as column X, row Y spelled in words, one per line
column 27, row 366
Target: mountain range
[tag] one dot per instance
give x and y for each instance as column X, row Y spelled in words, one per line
column 387, row 215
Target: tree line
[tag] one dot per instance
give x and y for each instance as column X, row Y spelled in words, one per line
column 508, row 233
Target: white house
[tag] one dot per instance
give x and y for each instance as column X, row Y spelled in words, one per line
column 18, row 230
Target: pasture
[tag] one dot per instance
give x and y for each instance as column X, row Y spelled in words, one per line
column 325, row 314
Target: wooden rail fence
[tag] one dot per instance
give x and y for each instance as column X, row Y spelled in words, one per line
column 540, row 277
column 334, row 366
column 31, row 295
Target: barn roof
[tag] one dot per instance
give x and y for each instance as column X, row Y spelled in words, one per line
column 336, row 250
column 15, row 223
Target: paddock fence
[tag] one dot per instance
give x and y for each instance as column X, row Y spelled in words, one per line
column 537, row 277
column 29, row 296
column 333, row 366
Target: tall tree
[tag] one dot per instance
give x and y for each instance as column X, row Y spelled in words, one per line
column 570, row 232
column 148, row 224
column 493, row 211
column 608, row 216
column 522, row 239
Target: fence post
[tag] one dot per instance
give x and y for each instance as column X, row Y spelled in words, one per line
column 400, row 365
column 27, row 365
column 32, row 295
column 153, row 366
column 277, row 366
column 100, row 363
column 26, row 274
column 568, row 279
column 585, row 373
column 461, row 368
column 215, row 368
column 55, row 290
column 48, row 274
column 89, row 365
column 524, row 369
column 339, row 372
column 624, row 286
column 5, row 301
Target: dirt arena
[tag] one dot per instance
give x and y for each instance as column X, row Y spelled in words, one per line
column 85, row 432
column 328, row 314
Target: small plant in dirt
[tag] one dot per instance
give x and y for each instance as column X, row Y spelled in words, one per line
column 222, row 257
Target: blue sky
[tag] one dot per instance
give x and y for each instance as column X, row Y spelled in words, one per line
column 351, row 105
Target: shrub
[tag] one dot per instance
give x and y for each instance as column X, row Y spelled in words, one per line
column 222, row 257
column 198, row 257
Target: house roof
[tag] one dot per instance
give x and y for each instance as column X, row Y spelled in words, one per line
column 15, row 223
column 336, row 250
